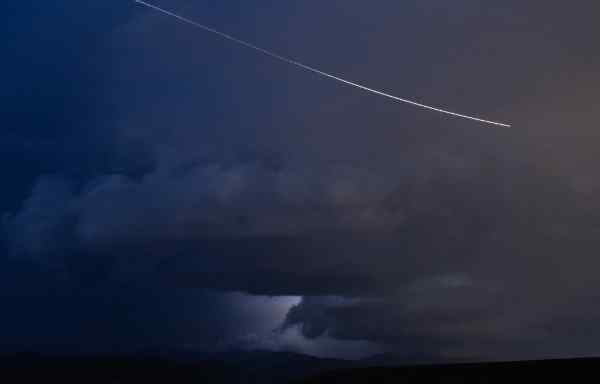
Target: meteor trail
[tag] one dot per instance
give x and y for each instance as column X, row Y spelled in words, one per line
column 314, row 70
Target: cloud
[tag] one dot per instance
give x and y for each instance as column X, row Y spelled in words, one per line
column 453, row 323
column 363, row 226
column 42, row 225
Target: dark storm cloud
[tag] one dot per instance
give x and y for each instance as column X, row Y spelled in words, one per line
column 293, row 227
column 51, row 312
column 437, row 239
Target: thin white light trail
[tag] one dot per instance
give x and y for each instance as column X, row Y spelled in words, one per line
column 314, row 70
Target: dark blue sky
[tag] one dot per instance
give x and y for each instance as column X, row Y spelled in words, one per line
column 164, row 188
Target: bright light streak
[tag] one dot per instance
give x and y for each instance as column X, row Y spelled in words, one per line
column 319, row 72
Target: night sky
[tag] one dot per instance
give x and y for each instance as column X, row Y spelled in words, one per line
column 166, row 189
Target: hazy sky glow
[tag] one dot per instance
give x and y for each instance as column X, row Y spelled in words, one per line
column 163, row 189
